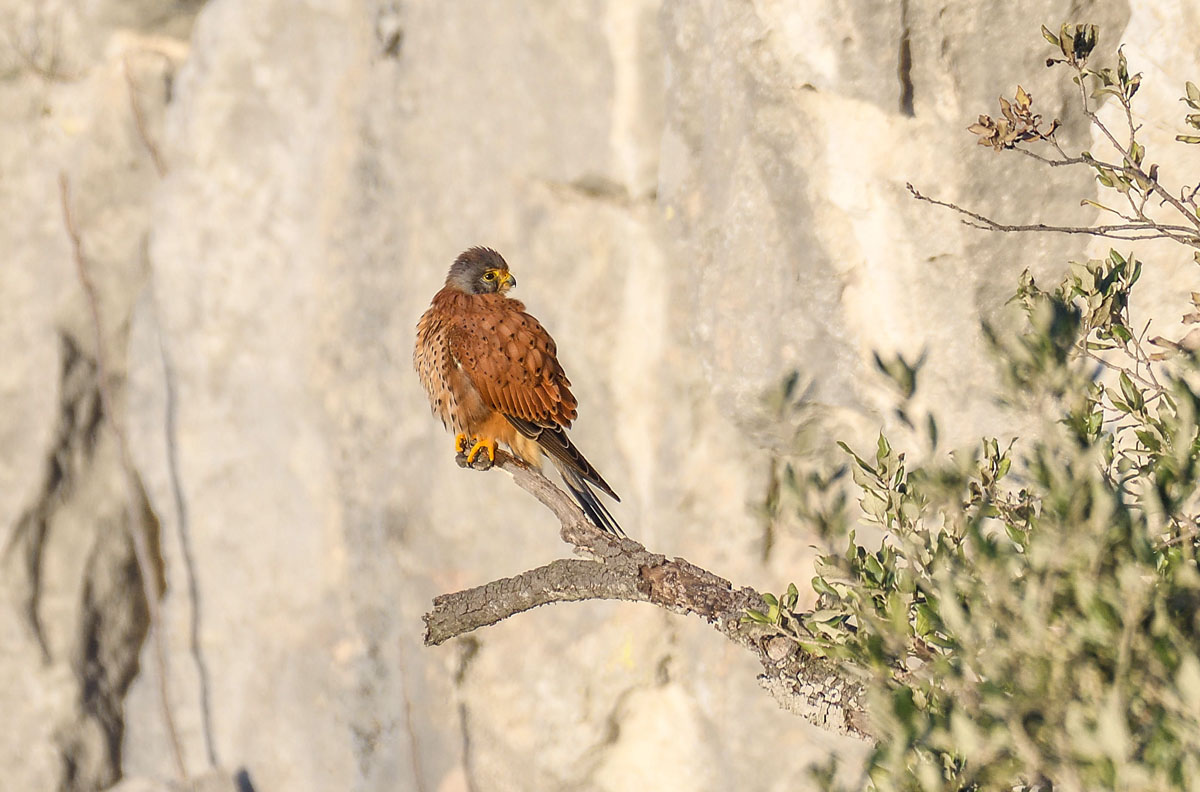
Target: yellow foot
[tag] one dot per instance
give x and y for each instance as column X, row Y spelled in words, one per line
column 482, row 445
column 460, row 443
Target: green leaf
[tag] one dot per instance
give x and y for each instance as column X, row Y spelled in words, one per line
column 1053, row 39
column 757, row 617
column 1096, row 204
column 1133, row 396
column 814, row 649
column 821, row 586
column 1193, row 93
column 1188, row 138
column 1116, row 400
column 874, row 504
column 865, row 481
column 905, row 710
column 874, row 568
column 936, row 640
column 883, row 448
column 829, row 632
column 991, row 447
column 861, row 463
column 1148, row 439
column 926, row 619
column 790, row 598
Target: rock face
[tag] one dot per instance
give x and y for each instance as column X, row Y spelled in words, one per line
column 698, row 198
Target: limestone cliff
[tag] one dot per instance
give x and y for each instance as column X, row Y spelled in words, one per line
column 697, row 198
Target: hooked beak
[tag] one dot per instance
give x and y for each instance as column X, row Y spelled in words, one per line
column 507, row 281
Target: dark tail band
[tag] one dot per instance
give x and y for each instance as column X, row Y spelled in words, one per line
column 576, row 471
column 587, row 500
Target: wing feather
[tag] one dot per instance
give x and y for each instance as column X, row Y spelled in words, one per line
column 509, row 358
column 554, row 441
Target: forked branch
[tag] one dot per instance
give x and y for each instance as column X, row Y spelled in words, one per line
column 1131, row 231
column 816, row 688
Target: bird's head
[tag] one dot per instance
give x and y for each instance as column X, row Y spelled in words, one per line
column 480, row 270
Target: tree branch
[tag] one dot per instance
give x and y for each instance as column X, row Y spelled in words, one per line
column 818, row 689
column 564, row 580
column 1126, row 155
column 1126, row 231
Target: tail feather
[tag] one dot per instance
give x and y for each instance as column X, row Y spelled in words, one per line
column 587, row 500
column 554, row 441
column 576, row 471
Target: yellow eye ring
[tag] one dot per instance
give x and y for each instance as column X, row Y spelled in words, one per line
column 490, row 275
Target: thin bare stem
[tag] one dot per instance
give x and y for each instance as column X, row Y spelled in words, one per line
column 1126, row 153
column 1124, row 231
column 1181, row 537
column 1108, row 364
column 1053, row 163
column 1139, row 353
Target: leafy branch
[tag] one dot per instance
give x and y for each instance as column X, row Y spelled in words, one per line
column 1019, row 127
column 1025, row 610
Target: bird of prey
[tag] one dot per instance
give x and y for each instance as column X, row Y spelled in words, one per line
column 491, row 374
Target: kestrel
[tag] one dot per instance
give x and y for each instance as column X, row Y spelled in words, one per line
column 491, row 374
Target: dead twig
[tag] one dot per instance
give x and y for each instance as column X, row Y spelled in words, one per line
column 1125, row 231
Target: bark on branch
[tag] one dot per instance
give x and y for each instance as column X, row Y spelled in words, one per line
column 815, row 688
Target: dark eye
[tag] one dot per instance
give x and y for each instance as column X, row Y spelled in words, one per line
column 489, row 276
